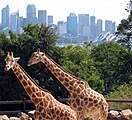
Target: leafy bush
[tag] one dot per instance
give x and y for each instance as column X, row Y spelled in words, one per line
column 123, row 92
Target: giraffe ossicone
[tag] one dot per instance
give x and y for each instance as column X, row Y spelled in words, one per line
column 47, row 107
column 84, row 100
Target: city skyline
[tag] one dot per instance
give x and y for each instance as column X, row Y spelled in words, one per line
column 55, row 8
column 82, row 26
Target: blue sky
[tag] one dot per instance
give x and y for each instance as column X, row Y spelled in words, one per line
column 103, row 9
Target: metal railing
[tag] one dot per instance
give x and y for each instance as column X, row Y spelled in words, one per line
column 24, row 103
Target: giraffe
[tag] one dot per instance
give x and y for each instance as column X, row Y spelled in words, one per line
column 46, row 106
column 83, row 99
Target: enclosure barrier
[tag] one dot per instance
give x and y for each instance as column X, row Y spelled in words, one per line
column 24, row 103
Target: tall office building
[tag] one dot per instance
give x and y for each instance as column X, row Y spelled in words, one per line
column 21, row 21
column 108, row 26
column 86, row 32
column 83, row 23
column 92, row 28
column 31, row 14
column 113, row 27
column 99, row 26
column 14, row 21
column 61, row 28
column 50, row 20
column 72, row 24
column 5, row 17
column 42, row 16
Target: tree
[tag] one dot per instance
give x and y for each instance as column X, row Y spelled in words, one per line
column 77, row 61
column 88, row 43
column 113, row 63
column 22, row 45
column 124, row 30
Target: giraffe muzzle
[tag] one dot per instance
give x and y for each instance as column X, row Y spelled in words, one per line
column 6, row 68
column 29, row 63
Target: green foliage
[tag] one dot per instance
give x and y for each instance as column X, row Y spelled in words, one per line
column 22, row 45
column 113, row 63
column 124, row 30
column 88, row 43
column 123, row 92
column 77, row 61
column 105, row 66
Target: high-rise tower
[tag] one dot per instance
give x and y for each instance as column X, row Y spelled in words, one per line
column 42, row 16
column 31, row 14
column 61, row 28
column 14, row 21
column 72, row 24
column 99, row 26
column 83, row 22
column 108, row 26
column 92, row 28
column 50, row 20
column 5, row 17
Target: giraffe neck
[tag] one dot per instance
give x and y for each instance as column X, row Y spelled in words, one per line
column 70, row 81
column 33, row 90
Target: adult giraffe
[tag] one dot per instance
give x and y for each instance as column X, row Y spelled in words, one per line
column 47, row 107
column 85, row 101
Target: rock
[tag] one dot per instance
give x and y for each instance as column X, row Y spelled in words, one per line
column 31, row 114
column 126, row 114
column 14, row 118
column 113, row 115
column 4, row 117
column 23, row 116
column 30, row 118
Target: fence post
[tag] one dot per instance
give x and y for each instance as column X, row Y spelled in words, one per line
column 24, row 104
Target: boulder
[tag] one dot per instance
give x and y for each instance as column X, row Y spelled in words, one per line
column 14, row 118
column 113, row 115
column 31, row 113
column 4, row 117
column 23, row 116
column 126, row 114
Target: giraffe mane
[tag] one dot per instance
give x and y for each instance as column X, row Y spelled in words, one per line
column 45, row 90
column 65, row 70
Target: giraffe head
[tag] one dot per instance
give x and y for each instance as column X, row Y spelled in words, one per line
column 10, row 61
column 35, row 57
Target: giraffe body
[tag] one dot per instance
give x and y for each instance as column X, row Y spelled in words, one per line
column 85, row 101
column 47, row 107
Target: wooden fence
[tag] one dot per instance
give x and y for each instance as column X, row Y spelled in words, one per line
column 24, row 103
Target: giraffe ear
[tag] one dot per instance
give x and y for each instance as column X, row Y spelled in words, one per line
column 8, row 54
column 17, row 58
column 11, row 54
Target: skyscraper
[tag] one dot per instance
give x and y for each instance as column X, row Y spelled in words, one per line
column 50, row 19
column 99, row 26
column 72, row 24
column 109, row 26
column 113, row 27
column 14, row 21
column 92, row 28
column 5, row 17
column 83, row 22
column 31, row 14
column 61, row 28
column 42, row 16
